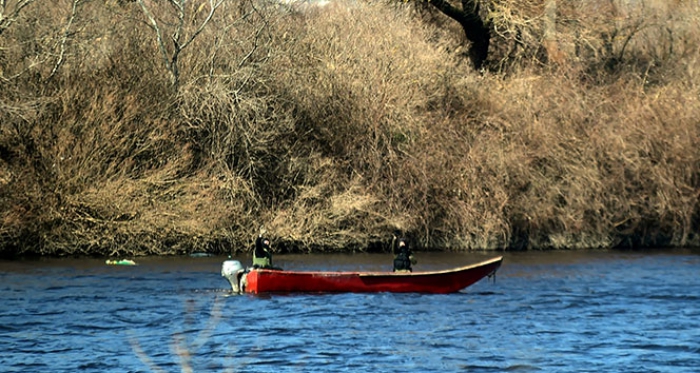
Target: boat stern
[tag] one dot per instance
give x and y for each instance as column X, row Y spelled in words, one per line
column 234, row 272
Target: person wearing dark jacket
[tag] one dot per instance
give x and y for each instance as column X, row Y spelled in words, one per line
column 403, row 257
column 262, row 255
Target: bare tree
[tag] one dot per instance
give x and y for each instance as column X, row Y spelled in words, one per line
column 10, row 11
column 476, row 28
column 483, row 19
column 63, row 39
column 54, row 37
column 179, row 34
column 554, row 54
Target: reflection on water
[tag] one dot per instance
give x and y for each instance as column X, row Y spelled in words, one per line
column 546, row 311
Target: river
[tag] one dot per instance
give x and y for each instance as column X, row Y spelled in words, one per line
column 592, row 311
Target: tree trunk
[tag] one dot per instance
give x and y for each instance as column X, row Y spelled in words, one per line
column 475, row 29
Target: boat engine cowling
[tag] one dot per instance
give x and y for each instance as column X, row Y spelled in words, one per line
column 234, row 272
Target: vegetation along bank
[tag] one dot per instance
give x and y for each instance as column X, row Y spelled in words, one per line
column 142, row 127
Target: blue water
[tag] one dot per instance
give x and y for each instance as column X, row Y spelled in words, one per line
column 545, row 312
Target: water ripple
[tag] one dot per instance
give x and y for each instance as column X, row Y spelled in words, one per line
column 592, row 312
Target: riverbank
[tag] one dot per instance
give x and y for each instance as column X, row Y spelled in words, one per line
column 338, row 125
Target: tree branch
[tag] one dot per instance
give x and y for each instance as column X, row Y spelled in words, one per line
column 159, row 35
column 7, row 19
column 64, row 38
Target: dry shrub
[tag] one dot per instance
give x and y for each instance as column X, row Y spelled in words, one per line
column 332, row 126
column 587, row 162
column 552, row 180
column 602, row 38
column 106, row 169
column 653, row 185
column 354, row 74
column 539, row 133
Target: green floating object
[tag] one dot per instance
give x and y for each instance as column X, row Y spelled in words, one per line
column 123, row 262
column 200, row 255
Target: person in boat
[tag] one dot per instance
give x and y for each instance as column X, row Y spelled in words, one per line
column 262, row 255
column 403, row 257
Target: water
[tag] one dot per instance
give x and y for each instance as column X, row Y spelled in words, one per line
column 546, row 312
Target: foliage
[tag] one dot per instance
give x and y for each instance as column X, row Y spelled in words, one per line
column 331, row 126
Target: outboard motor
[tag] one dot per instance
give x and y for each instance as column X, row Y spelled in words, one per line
column 234, row 272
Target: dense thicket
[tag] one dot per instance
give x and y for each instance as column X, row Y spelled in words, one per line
column 333, row 126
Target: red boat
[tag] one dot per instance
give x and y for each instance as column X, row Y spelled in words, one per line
column 274, row 281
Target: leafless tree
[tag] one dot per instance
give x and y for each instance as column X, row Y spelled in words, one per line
column 63, row 39
column 10, row 11
column 179, row 34
column 476, row 29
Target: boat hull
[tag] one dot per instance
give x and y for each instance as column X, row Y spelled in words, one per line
column 437, row 282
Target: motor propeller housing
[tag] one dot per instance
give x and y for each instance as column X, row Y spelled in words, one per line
column 234, row 272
